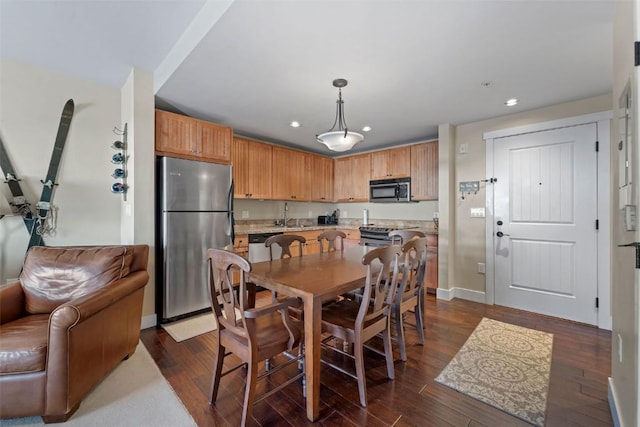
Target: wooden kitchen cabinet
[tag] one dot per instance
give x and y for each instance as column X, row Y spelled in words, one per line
column 322, row 179
column 393, row 163
column 424, row 171
column 431, row 279
column 352, row 175
column 252, row 174
column 189, row 138
column 312, row 246
column 291, row 174
column 353, row 237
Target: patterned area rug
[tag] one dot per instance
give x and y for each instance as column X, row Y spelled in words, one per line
column 505, row 366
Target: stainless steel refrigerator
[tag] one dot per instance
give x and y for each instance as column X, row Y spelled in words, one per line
column 196, row 213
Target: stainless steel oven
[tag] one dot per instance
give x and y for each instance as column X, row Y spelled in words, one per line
column 390, row 190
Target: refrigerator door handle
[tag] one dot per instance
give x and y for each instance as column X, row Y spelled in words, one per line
column 232, row 232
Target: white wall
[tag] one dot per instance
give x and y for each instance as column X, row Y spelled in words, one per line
column 31, row 101
column 625, row 371
column 137, row 213
column 470, row 166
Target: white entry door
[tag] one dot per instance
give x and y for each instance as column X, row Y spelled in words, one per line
column 545, row 211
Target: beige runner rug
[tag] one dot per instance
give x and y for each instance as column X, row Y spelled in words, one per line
column 505, row 366
column 190, row 327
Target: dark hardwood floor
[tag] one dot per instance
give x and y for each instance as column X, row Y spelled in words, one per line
column 577, row 392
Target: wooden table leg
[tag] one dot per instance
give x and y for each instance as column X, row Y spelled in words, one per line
column 312, row 336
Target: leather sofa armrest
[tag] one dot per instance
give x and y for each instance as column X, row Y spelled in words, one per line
column 88, row 336
column 72, row 312
column 11, row 302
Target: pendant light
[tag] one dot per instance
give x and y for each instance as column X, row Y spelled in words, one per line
column 341, row 139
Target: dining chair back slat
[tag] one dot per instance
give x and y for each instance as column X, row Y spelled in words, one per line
column 331, row 236
column 284, row 241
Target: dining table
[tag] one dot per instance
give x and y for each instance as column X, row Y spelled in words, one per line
column 315, row 279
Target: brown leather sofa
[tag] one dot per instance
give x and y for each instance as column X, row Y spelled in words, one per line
column 73, row 315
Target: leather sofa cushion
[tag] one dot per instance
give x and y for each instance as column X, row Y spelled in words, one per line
column 52, row 276
column 23, row 345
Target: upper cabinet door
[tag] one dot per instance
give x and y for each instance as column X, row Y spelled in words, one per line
column 291, row 174
column 214, row 142
column 352, row 175
column 251, row 169
column 361, row 175
column 175, row 134
column 424, row 171
column 189, row 138
column 321, row 179
column 393, row 163
column 260, row 173
column 342, row 179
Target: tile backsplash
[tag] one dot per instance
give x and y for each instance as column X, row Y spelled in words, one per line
column 257, row 212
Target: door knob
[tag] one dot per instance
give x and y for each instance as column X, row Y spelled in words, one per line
column 500, row 234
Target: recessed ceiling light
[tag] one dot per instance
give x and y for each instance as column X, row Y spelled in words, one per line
column 366, row 129
column 511, row 102
column 294, row 124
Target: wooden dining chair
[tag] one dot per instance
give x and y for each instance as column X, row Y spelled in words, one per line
column 409, row 294
column 284, row 241
column 401, row 237
column 358, row 322
column 331, row 236
column 251, row 334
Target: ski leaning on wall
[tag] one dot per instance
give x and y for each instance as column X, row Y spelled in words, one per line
column 43, row 207
column 19, row 201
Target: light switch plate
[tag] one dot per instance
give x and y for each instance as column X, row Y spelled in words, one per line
column 245, row 214
column 477, row 213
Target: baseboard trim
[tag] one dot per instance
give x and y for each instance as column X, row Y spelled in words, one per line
column 148, row 321
column 444, row 294
column 613, row 403
column 465, row 294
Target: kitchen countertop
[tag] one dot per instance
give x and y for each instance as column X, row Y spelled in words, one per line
column 251, row 229
column 255, row 229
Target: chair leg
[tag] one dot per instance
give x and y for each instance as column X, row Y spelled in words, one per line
column 420, row 323
column 400, row 333
column 362, row 380
column 249, row 392
column 217, row 373
column 302, row 368
column 388, row 351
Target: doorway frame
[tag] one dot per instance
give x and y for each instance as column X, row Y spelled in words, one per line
column 603, row 126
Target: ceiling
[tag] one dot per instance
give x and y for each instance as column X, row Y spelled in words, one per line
column 258, row 65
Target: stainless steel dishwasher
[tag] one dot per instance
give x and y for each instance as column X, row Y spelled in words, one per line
column 258, row 252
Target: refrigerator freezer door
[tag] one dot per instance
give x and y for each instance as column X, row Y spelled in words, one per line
column 189, row 185
column 186, row 238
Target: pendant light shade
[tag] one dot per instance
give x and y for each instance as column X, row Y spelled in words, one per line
column 340, row 139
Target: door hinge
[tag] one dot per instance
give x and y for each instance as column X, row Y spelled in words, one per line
column 597, row 146
column 597, row 302
column 597, row 224
column 636, row 53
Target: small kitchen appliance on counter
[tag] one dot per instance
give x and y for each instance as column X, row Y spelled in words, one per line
column 329, row 219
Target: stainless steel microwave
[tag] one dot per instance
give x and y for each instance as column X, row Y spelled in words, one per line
column 390, row 190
